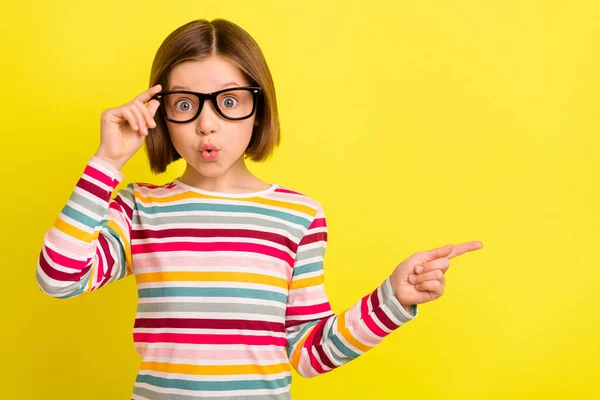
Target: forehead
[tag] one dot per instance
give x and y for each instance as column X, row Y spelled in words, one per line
column 206, row 75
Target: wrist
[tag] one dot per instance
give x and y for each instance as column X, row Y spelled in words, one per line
column 116, row 163
column 407, row 307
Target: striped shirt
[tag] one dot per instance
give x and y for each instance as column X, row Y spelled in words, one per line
column 230, row 286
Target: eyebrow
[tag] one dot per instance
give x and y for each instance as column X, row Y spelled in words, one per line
column 234, row 83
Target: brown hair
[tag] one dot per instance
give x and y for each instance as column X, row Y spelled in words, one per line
column 198, row 40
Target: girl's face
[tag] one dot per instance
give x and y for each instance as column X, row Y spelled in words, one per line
column 227, row 139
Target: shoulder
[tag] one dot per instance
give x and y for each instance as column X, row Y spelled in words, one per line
column 297, row 200
column 143, row 190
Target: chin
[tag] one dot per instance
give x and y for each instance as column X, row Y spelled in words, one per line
column 210, row 170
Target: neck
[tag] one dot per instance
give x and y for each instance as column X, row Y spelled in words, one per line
column 237, row 178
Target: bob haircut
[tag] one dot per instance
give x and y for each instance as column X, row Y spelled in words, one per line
column 198, row 40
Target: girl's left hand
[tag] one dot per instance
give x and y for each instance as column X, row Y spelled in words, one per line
column 420, row 278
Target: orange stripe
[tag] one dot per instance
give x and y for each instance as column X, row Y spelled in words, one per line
column 193, row 195
column 299, row 345
column 75, row 232
column 211, row 277
column 190, row 369
column 307, row 282
column 343, row 329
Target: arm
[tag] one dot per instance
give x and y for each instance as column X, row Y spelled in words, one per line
column 89, row 244
column 318, row 340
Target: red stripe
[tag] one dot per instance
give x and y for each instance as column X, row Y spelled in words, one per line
column 207, row 339
column 374, row 297
column 104, row 248
column 364, row 306
column 324, row 359
column 313, row 238
column 289, row 191
column 60, row 275
column 318, row 223
column 308, row 310
column 99, row 175
column 385, row 320
column 64, row 260
column 122, row 207
column 211, row 233
column 93, row 189
column 373, row 327
column 315, row 336
column 201, row 323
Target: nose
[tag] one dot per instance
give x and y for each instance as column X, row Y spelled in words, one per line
column 208, row 119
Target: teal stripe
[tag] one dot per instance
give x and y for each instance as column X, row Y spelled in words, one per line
column 79, row 216
column 342, row 347
column 121, row 260
column 291, row 342
column 305, row 269
column 224, row 208
column 215, row 385
column 212, row 292
column 71, row 294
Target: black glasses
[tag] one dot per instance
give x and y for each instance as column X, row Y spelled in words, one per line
column 181, row 106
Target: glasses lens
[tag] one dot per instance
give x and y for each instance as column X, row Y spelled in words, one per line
column 235, row 103
column 180, row 106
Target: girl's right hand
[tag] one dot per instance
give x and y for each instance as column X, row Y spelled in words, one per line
column 123, row 129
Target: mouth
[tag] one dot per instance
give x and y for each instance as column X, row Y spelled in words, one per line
column 209, row 152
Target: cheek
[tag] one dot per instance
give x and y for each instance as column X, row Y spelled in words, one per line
column 178, row 136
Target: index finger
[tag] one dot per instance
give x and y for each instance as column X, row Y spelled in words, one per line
column 146, row 96
column 464, row 248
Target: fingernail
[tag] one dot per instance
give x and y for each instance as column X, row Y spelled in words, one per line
column 412, row 279
column 419, row 269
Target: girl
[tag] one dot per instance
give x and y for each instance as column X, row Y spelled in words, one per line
column 229, row 268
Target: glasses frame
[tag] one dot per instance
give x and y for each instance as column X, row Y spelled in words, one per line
column 202, row 97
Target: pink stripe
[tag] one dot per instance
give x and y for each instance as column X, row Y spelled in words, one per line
column 275, row 267
column 359, row 331
column 305, row 295
column 212, row 246
column 263, row 354
column 58, row 241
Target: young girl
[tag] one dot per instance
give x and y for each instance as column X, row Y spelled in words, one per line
column 229, row 268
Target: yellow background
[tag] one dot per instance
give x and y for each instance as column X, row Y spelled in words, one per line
column 416, row 124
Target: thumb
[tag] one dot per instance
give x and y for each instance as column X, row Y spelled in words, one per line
column 153, row 106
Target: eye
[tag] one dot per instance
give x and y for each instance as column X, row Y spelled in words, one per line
column 183, row 105
column 229, row 102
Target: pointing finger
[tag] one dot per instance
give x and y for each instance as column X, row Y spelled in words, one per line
column 464, row 248
column 431, row 255
column 147, row 95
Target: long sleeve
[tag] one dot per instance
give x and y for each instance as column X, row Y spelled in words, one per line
column 317, row 339
column 89, row 244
